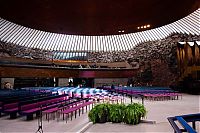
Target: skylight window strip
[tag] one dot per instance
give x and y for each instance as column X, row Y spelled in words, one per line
column 15, row 35
column 115, row 42
column 143, row 36
column 20, row 35
column 129, row 41
column 183, row 30
column 140, row 37
column 174, row 29
column 49, row 41
column 58, row 42
column 7, row 33
column 36, row 45
column 98, row 44
column 123, row 45
column 78, row 43
column 137, row 37
column 79, row 46
column 110, row 47
column 134, row 38
column 40, row 46
column 26, row 35
column 161, row 33
column 66, row 42
column 193, row 25
column 165, row 30
column 32, row 39
column 69, row 41
column 74, row 40
column 158, row 33
column 152, row 35
column 102, row 44
column 171, row 28
column 28, row 38
column 6, row 27
column 54, row 41
column 87, row 44
column 91, row 43
column 44, row 42
column 119, row 42
column 194, row 19
column 156, row 37
column 2, row 23
column 107, row 43
column 95, row 44
column 62, row 43
column 189, row 26
column 147, row 35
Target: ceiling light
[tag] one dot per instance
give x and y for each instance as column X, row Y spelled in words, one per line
column 148, row 25
column 145, row 26
column 142, row 27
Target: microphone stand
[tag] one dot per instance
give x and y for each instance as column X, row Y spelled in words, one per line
column 40, row 130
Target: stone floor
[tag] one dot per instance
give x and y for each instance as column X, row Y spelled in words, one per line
column 158, row 111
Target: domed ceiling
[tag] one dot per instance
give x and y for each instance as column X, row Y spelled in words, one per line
column 95, row 17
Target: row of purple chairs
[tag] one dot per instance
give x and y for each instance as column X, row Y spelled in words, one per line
column 68, row 109
column 157, row 94
column 29, row 109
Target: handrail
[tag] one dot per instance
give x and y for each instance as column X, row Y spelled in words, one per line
column 183, row 120
column 185, row 125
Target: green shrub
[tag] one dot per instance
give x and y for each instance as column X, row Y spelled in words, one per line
column 133, row 113
column 99, row 114
column 116, row 113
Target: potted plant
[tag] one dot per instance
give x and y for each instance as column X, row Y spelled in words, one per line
column 99, row 114
column 133, row 113
column 116, row 113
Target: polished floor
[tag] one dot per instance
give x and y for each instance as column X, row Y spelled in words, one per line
column 156, row 120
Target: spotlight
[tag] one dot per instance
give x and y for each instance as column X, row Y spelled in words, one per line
column 142, row 27
column 145, row 26
column 138, row 27
column 148, row 25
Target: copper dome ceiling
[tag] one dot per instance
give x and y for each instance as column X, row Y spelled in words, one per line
column 94, row 17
